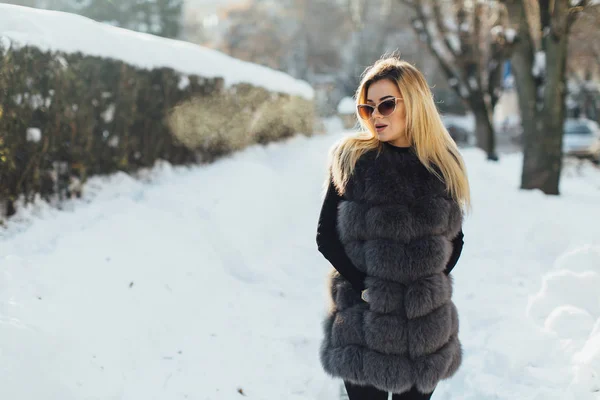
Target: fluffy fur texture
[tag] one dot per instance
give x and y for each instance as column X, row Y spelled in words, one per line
column 396, row 223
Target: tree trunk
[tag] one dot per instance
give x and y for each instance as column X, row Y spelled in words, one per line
column 522, row 62
column 542, row 115
column 553, row 114
column 484, row 128
column 542, row 161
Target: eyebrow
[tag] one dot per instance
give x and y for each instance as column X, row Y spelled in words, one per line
column 384, row 97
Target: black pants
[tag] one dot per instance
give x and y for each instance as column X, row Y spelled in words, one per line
column 370, row 393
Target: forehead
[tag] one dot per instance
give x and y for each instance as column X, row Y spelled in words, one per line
column 382, row 88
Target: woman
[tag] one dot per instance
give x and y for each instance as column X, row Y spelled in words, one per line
column 391, row 225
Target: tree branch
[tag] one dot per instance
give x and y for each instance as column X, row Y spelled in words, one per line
column 420, row 26
column 441, row 27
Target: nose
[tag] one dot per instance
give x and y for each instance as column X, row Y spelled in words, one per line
column 376, row 113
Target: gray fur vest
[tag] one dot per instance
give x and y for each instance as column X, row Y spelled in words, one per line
column 396, row 223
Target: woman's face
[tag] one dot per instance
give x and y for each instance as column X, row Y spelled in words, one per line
column 391, row 128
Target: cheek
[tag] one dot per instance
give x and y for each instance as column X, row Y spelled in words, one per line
column 400, row 117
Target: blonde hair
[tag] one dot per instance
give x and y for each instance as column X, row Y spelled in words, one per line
column 434, row 146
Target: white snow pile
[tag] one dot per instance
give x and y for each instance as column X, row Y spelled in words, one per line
column 205, row 283
column 52, row 30
column 568, row 307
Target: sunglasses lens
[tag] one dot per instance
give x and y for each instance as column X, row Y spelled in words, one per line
column 365, row 111
column 387, row 107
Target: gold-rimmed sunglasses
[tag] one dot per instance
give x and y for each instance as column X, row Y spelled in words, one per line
column 385, row 108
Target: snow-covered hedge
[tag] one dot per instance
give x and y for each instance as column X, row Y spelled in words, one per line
column 81, row 98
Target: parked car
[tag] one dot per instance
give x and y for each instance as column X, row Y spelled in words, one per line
column 581, row 138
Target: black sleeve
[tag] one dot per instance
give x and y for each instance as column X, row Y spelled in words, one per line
column 329, row 244
column 457, row 246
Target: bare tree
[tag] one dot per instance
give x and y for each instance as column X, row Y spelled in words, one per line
column 469, row 42
column 301, row 37
column 539, row 60
column 583, row 66
column 254, row 34
column 584, row 44
column 375, row 31
column 319, row 29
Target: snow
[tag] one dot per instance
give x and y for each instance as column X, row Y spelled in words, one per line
column 52, row 30
column 464, row 92
column 5, row 44
column 63, row 62
column 568, row 306
column 539, row 63
column 109, row 114
column 333, row 124
column 179, row 284
column 510, row 34
column 347, row 106
column 36, row 101
column 113, row 142
column 591, row 85
column 473, row 83
column 184, row 82
column 454, row 42
column 450, row 24
column 34, row 135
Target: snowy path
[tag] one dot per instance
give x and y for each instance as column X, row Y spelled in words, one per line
column 207, row 281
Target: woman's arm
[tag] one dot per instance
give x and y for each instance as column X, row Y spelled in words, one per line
column 329, row 244
column 457, row 246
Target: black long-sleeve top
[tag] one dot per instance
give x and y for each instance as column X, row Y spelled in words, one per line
column 330, row 245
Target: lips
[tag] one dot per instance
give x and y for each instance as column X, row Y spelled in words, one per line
column 380, row 127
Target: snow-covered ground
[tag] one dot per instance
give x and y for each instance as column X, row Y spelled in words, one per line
column 197, row 283
column 59, row 31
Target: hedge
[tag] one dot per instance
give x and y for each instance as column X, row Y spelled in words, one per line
column 66, row 117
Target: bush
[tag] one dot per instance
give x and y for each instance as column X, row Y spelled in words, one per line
column 65, row 117
column 281, row 119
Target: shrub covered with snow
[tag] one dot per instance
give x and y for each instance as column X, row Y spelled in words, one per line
column 96, row 99
column 215, row 126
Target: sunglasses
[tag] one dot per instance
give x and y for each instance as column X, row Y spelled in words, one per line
column 385, row 108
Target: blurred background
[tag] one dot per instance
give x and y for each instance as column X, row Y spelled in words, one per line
column 161, row 171
column 470, row 52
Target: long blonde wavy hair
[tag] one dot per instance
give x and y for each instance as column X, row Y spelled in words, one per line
column 433, row 144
